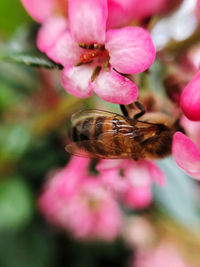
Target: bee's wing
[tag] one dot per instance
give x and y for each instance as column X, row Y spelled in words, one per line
column 86, row 148
column 79, row 149
column 84, row 114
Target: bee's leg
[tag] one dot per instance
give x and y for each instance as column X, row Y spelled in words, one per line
column 124, row 110
column 141, row 113
column 177, row 126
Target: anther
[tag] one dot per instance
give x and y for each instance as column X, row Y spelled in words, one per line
column 106, row 65
column 82, row 45
column 78, row 64
column 82, row 63
column 95, row 73
column 98, row 46
column 86, row 46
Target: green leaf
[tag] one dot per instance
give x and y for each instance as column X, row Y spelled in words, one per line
column 12, row 14
column 16, row 204
column 20, row 78
column 8, row 97
column 14, row 141
column 28, row 59
column 23, row 39
column 177, row 198
column 32, row 247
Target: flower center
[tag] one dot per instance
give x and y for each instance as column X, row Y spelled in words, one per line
column 93, row 52
column 90, row 55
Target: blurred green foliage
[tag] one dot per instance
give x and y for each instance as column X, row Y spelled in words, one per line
column 16, row 204
column 12, row 14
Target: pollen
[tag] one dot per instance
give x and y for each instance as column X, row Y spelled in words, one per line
column 90, row 55
column 92, row 52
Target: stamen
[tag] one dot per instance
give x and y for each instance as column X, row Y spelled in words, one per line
column 106, row 65
column 81, row 63
column 92, row 46
column 92, row 54
column 95, row 73
column 86, row 46
column 98, row 46
column 78, row 64
column 82, row 45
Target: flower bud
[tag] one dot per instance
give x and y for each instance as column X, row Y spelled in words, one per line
column 190, row 99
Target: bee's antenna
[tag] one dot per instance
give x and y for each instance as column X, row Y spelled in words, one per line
column 177, row 125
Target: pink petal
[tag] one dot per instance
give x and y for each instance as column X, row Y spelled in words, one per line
column 40, row 10
column 138, row 173
column 198, row 9
column 131, row 49
column 138, row 197
column 88, row 20
column 109, row 164
column 192, row 129
column 112, row 180
column 82, row 163
column 156, row 173
column 190, row 99
column 164, row 254
column 115, row 88
column 76, row 80
column 186, row 155
column 50, row 31
column 120, row 13
column 64, row 50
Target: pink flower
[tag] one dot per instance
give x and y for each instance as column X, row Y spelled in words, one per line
column 190, row 99
column 77, row 202
column 164, row 255
column 52, row 15
column 192, row 129
column 134, row 182
column 94, row 58
column 186, row 155
column 40, row 10
column 122, row 12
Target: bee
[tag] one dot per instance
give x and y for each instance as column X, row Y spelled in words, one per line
column 106, row 135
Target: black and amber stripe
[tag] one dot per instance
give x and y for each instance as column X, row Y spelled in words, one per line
column 82, row 130
column 115, row 126
column 102, row 135
column 89, row 130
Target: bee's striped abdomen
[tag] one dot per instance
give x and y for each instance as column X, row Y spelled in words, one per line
column 102, row 135
column 98, row 126
column 116, row 141
column 82, row 130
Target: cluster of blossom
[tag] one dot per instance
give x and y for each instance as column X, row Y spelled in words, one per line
column 87, row 205
column 186, row 152
column 78, row 202
column 99, row 50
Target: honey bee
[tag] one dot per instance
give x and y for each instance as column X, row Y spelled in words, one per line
column 106, row 135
